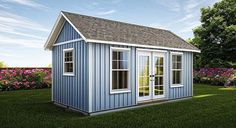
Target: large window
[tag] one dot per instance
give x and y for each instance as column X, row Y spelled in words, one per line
column 176, row 60
column 119, row 70
column 68, row 60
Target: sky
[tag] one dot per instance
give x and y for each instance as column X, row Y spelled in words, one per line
column 25, row 24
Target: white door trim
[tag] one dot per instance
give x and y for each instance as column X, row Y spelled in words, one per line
column 151, row 53
column 137, row 65
column 164, row 69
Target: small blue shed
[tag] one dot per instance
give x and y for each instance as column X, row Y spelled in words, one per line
column 100, row 65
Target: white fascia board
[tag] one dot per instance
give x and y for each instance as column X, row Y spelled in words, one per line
column 73, row 26
column 52, row 32
column 140, row 45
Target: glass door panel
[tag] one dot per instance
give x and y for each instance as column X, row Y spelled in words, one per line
column 144, row 76
column 158, row 75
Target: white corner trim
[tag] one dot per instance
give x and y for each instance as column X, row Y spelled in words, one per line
column 140, row 45
column 73, row 59
column 73, row 26
column 90, row 78
column 69, row 41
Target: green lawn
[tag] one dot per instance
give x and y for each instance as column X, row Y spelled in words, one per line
column 211, row 106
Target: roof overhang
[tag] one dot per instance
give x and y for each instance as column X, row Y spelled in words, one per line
column 142, row 46
column 56, row 31
column 61, row 20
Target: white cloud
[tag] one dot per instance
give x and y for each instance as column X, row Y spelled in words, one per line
column 172, row 5
column 106, row 12
column 29, row 3
column 15, row 21
column 14, row 25
column 3, row 6
column 189, row 26
column 186, row 18
column 158, row 25
column 31, row 43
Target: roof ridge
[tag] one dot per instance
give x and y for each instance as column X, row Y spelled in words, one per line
column 139, row 25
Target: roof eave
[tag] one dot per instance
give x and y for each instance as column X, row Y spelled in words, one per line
column 144, row 46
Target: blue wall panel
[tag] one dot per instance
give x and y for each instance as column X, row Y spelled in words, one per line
column 101, row 97
column 67, row 33
column 186, row 90
column 71, row 91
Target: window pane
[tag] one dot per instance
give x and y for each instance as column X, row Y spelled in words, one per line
column 143, row 60
column 176, row 61
column 114, row 80
column 68, row 56
column 122, row 55
column 119, row 79
column 161, row 61
column 177, row 77
column 174, row 58
column 114, row 55
column 115, row 65
column 178, row 65
column 179, row 58
column 68, row 67
column 123, row 64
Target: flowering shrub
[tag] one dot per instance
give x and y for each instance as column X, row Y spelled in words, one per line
column 14, row 79
column 216, row 76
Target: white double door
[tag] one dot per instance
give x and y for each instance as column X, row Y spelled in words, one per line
column 150, row 75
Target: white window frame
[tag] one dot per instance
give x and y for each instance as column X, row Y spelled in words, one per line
column 73, row 61
column 114, row 91
column 171, row 70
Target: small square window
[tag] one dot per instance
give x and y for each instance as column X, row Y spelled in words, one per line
column 68, row 62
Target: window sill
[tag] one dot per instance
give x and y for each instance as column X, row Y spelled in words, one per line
column 119, row 91
column 176, row 86
column 68, row 74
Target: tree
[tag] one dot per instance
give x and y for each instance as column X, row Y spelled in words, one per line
column 2, row 64
column 216, row 37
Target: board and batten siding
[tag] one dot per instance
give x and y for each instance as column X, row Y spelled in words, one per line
column 100, row 79
column 101, row 99
column 89, row 89
column 186, row 89
column 71, row 91
column 67, row 33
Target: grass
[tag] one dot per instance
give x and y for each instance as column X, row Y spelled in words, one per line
column 211, row 106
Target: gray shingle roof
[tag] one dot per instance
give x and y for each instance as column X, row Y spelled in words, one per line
column 107, row 30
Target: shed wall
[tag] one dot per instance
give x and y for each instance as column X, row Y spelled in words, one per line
column 70, row 91
column 100, row 79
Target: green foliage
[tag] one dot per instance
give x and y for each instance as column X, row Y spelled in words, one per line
column 2, row 64
column 216, row 37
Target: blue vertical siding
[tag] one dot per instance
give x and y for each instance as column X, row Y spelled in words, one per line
column 71, row 91
column 100, row 73
column 89, row 89
column 67, row 33
column 100, row 81
column 186, row 90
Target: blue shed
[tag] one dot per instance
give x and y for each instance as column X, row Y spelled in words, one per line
column 100, row 65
